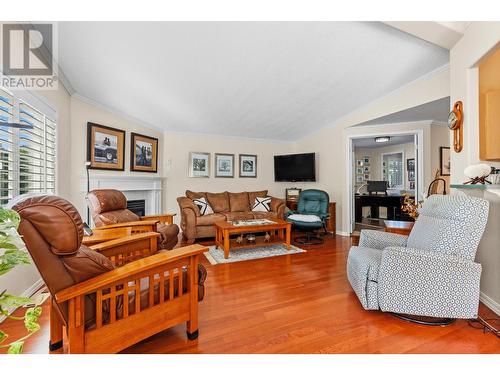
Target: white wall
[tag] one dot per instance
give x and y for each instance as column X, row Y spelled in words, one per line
column 83, row 112
column 479, row 40
column 176, row 150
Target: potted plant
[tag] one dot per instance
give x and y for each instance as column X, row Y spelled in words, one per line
column 13, row 253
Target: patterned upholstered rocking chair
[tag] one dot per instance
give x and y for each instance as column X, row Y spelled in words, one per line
column 431, row 272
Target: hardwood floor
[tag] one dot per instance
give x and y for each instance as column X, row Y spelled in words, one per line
column 299, row 303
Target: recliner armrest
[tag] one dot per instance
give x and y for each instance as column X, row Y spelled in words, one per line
column 380, row 240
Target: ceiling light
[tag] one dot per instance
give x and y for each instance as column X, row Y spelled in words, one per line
column 382, row 139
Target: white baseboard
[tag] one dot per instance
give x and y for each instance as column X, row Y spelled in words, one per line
column 27, row 293
column 342, row 233
column 490, row 303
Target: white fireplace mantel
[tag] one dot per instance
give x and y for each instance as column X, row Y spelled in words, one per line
column 147, row 188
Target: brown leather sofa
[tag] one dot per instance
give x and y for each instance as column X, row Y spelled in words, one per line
column 226, row 206
column 109, row 206
column 104, row 308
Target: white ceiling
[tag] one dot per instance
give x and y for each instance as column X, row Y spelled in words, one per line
column 273, row 80
column 436, row 110
column 370, row 142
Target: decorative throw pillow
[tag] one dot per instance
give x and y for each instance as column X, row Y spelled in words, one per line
column 203, row 206
column 262, row 204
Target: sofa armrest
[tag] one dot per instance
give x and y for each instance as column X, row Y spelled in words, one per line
column 380, row 240
column 187, row 204
column 428, row 283
column 189, row 213
column 278, row 205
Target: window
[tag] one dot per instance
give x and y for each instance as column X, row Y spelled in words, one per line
column 27, row 156
column 392, row 170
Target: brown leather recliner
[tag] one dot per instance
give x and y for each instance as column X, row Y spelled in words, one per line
column 106, row 309
column 109, row 207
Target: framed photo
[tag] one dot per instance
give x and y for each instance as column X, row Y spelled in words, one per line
column 410, row 164
column 359, row 179
column 248, row 165
column 444, row 161
column 199, row 164
column 412, row 185
column 366, row 177
column 224, row 165
column 366, row 169
column 359, row 163
column 105, row 147
column 366, row 160
column 411, row 175
column 143, row 153
column 359, row 170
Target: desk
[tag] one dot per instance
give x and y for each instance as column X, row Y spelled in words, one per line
column 392, row 202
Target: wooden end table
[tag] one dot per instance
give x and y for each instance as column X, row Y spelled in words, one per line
column 279, row 230
column 399, row 227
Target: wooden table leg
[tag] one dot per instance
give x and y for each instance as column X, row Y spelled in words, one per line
column 226, row 243
column 217, row 238
column 288, row 235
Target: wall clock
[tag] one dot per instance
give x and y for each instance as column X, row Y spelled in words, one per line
column 455, row 120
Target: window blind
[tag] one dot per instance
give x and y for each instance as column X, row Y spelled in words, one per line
column 27, row 156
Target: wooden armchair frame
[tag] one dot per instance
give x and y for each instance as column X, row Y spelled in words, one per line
column 145, row 224
column 120, row 327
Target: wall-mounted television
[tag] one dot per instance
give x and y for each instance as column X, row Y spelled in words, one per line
column 296, row 167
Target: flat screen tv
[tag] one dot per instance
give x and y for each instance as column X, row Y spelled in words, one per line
column 296, row 167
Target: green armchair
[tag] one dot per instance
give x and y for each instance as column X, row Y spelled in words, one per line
column 311, row 215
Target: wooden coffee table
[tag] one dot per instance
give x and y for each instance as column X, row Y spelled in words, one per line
column 279, row 230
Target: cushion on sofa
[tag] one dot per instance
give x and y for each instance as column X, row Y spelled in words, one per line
column 209, row 219
column 195, row 195
column 203, row 206
column 219, row 201
column 241, row 215
column 239, row 201
column 253, row 194
column 261, row 204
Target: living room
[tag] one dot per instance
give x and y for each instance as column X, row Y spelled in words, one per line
column 234, row 191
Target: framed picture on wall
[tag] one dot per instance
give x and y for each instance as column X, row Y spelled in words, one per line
column 366, row 169
column 444, row 161
column 410, row 164
column 359, row 170
column 359, row 179
column 366, row 177
column 224, row 165
column 359, row 163
column 412, row 185
column 105, row 147
column 248, row 165
column 366, row 160
column 411, row 176
column 199, row 164
column 143, row 153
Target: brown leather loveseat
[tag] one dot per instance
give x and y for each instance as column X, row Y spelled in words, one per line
column 226, row 206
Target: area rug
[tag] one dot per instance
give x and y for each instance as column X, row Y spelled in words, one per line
column 216, row 256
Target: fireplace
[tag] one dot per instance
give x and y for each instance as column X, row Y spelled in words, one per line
column 137, row 206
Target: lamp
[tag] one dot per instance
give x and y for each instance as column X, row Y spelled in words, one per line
column 382, row 139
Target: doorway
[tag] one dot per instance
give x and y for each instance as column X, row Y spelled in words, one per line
column 384, row 168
